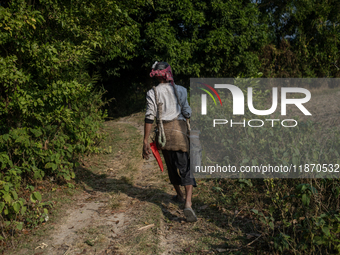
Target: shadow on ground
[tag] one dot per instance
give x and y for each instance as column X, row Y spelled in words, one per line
column 210, row 218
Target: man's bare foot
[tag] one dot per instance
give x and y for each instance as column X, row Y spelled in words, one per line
column 190, row 214
column 178, row 199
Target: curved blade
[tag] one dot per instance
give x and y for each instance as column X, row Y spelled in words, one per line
column 156, row 154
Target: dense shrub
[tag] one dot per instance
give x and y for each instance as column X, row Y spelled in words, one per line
column 50, row 107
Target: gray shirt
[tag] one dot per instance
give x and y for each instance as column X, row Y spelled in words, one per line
column 170, row 108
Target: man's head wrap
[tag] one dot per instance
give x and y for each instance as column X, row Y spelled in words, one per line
column 164, row 73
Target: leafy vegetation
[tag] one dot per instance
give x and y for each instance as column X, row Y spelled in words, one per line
column 303, row 40
column 217, row 38
column 57, row 58
column 50, row 108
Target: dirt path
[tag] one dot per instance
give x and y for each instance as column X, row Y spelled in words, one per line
column 120, row 211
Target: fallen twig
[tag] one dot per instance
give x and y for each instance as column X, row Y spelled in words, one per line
column 146, row 227
column 41, row 246
column 253, row 241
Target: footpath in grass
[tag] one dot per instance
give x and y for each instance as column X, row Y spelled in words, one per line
column 121, row 204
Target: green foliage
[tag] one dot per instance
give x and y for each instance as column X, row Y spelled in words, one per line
column 304, row 38
column 216, row 38
column 211, row 38
column 50, row 105
column 199, row 39
column 55, row 56
column 120, row 40
column 311, row 226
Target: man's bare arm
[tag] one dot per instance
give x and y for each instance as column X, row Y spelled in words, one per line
column 146, row 145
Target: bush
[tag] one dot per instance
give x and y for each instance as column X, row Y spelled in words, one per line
column 49, row 107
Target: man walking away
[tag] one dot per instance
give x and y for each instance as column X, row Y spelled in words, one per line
column 169, row 105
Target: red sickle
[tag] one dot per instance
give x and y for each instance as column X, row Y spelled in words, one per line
column 156, row 154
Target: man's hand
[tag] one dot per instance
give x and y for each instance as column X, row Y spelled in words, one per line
column 146, row 150
column 146, row 146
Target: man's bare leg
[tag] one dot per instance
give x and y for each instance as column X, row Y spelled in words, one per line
column 179, row 192
column 188, row 212
column 188, row 195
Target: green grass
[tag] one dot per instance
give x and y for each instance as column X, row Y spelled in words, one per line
column 144, row 241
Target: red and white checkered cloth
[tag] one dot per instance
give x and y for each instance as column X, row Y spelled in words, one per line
column 166, row 73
